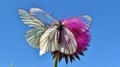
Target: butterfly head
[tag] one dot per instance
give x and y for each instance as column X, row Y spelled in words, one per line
column 60, row 27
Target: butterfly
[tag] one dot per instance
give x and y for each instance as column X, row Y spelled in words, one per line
column 48, row 34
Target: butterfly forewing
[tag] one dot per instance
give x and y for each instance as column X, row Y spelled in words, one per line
column 28, row 19
column 45, row 17
column 33, row 35
column 48, row 41
column 86, row 18
column 68, row 42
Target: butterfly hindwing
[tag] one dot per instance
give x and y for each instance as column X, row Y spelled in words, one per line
column 33, row 36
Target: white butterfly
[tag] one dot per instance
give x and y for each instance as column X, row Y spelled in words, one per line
column 47, row 33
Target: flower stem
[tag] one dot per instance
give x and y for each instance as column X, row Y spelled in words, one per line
column 56, row 61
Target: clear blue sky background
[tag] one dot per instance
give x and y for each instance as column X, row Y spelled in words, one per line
column 104, row 49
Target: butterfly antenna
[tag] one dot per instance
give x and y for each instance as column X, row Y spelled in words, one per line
column 64, row 17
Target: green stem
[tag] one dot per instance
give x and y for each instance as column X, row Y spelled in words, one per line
column 56, row 61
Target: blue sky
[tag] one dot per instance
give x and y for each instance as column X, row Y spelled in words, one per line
column 104, row 49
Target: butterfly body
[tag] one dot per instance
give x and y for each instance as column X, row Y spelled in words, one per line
column 60, row 28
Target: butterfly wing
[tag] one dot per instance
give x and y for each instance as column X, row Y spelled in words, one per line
column 33, row 35
column 45, row 17
column 49, row 41
column 29, row 19
column 86, row 18
column 68, row 42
